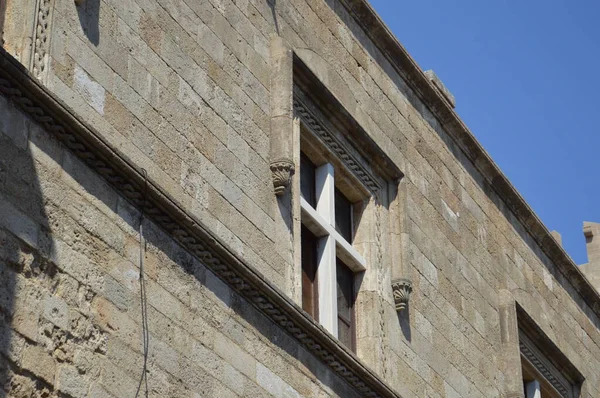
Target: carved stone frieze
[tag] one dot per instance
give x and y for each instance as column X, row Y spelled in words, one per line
column 338, row 148
column 541, row 363
column 540, row 366
column 282, row 171
column 402, row 288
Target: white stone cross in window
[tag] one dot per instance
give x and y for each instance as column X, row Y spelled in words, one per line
column 321, row 222
column 533, row 390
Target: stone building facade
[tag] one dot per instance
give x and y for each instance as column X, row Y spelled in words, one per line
column 312, row 217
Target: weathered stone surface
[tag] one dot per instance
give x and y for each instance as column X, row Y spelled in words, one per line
column 195, row 94
column 591, row 232
column 38, row 361
column 76, row 301
column 436, row 81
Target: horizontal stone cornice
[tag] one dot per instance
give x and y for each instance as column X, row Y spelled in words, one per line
column 128, row 179
column 407, row 68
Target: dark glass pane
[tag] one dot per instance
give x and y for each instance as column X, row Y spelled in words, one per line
column 307, row 180
column 309, row 272
column 343, row 215
column 345, row 301
column 345, row 291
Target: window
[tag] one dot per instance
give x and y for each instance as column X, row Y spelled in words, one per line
column 329, row 261
column 541, row 379
column 535, row 385
column 310, row 294
column 338, row 209
column 546, row 371
column 345, row 304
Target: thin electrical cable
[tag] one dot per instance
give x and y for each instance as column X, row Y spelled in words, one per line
column 143, row 297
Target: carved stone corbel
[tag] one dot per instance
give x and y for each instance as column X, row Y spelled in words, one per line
column 281, row 171
column 402, row 289
column 281, row 140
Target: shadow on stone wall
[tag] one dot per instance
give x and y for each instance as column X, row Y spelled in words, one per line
column 404, row 321
column 89, row 18
column 25, row 246
column 272, row 4
column 158, row 241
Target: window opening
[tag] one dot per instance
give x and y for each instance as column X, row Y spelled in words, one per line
column 345, row 305
column 547, row 372
column 329, row 261
column 342, row 169
column 307, row 179
column 343, row 215
column 309, row 272
column 535, row 385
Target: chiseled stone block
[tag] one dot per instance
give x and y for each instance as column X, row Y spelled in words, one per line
column 273, row 384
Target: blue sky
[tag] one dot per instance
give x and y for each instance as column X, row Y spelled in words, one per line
column 526, row 77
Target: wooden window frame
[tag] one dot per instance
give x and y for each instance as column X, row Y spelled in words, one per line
column 351, row 320
column 350, row 161
column 331, row 248
column 310, row 293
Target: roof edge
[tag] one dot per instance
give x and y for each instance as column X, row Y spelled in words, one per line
column 378, row 32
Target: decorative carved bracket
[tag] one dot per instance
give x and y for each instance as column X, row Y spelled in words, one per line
column 401, row 289
column 282, row 171
column 282, row 116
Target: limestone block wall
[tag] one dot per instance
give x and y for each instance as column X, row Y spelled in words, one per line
column 70, row 314
column 181, row 87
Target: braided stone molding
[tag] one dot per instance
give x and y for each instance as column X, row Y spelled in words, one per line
column 281, row 171
column 41, row 42
column 402, row 288
column 331, row 142
column 544, row 370
column 56, row 118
